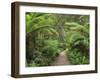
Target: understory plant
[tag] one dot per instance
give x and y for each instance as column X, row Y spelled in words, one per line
column 78, row 49
column 48, row 34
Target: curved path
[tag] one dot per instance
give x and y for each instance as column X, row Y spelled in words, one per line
column 62, row 59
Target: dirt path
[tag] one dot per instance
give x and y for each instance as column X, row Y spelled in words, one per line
column 61, row 60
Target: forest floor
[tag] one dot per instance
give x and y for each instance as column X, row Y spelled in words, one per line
column 62, row 59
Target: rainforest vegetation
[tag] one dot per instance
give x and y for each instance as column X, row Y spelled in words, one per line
column 48, row 34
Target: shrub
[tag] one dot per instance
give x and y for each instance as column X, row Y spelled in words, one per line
column 36, row 54
column 76, row 57
column 46, row 55
column 51, row 48
column 49, row 52
column 39, row 61
column 78, row 48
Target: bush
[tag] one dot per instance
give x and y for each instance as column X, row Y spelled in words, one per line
column 39, row 61
column 78, row 47
column 36, row 54
column 46, row 55
column 76, row 57
column 49, row 52
column 51, row 48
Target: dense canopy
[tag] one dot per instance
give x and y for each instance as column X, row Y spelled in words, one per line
column 48, row 34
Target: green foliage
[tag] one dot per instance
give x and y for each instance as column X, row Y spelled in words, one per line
column 48, row 34
column 46, row 55
column 34, row 20
column 78, row 43
column 76, row 57
column 51, row 48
